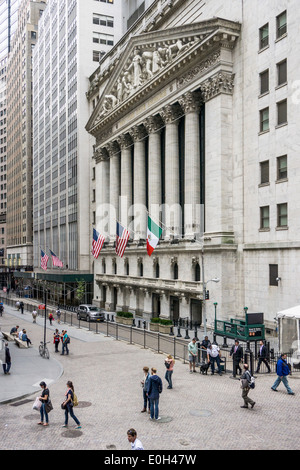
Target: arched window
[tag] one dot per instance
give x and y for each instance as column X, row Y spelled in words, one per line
column 197, row 272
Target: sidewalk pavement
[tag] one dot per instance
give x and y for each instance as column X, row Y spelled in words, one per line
column 201, row 412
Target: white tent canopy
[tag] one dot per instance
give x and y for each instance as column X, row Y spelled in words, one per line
column 289, row 329
column 293, row 312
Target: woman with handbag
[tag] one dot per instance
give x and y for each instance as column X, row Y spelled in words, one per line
column 68, row 404
column 245, row 386
column 44, row 398
column 169, row 363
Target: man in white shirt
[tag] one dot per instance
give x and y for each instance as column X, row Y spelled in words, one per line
column 213, row 355
column 134, row 441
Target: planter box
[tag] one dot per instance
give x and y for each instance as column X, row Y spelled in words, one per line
column 165, row 329
column 127, row 321
column 119, row 319
column 154, row 327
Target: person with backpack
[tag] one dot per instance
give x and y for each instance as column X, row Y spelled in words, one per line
column 247, row 383
column 282, row 370
column 68, row 404
column 65, row 342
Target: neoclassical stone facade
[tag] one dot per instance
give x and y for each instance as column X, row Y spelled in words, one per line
column 177, row 135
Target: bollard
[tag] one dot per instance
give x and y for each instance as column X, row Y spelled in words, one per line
column 107, row 317
column 171, row 331
column 196, row 334
column 187, row 334
column 225, row 345
column 179, row 335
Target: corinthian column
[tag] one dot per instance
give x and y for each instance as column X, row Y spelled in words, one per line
column 125, row 144
column 114, row 184
column 191, row 103
column 172, row 209
column 153, row 126
column 138, row 135
column 102, row 191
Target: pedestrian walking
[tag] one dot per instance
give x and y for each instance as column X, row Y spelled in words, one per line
column 18, row 305
column 51, row 318
column 22, row 307
column 144, row 384
column 58, row 315
column 56, row 339
column 1, row 309
column 237, row 355
column 7, row 365
column 65, row 342
column 44, row 398
column 214, row 357
column 68, row 405
column 282, row 370
column 262, row 357
column 134, row 441
column 169, row 363
column 245, row 384
column 34, row 315
column 193, row 351
column 155, row 388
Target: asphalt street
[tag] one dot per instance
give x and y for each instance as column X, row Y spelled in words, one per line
column 201, row 412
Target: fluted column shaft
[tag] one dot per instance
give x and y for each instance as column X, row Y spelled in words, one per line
column 102, row 192
column 139, row 183
column 125, row 144
column 114, row 185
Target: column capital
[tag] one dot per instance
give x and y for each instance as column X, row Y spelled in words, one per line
column 190, row 102
column 138, row 133
column 171, row 113
column 113, row 148
column 222, row 82
column 100, row 154
column 124, row 141
column 153, row 124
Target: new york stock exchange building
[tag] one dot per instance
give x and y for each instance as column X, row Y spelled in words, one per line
column 189, row 130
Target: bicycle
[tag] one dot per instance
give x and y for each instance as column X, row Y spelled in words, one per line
column 43, row 350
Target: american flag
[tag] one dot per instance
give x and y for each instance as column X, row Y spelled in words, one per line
column 44, row 260
column 121, row 239
column 55, row 260
column 97, row 244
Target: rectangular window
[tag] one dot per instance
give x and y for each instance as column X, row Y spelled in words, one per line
column 282, row 73
column 103, row 20
column 264, row 120
column 281, row 24
column 264, row 82
column 282, row 167
column 282, row 215
column 264, row 217
column 264, row 36
column 282, row 112
column 264, row 172
column 100, row 38
column 273, row 274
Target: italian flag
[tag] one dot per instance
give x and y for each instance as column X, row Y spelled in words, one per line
column 153, row 235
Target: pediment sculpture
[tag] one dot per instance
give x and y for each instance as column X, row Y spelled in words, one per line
column 142, row 65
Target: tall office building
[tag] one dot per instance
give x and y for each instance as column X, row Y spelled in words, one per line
column 199, row 110
column 8, row 24
column 19, row 136
column 73, row 36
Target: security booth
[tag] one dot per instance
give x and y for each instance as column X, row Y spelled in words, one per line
column 289, row 333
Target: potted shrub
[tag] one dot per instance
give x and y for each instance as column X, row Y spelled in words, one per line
column 124, row 317
column 164, row 325
column 154, row 324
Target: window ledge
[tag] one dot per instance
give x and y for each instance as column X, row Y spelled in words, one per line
column 262, row 185
column 281, row 125
column 283, row 180
column 264, row 229
column 264, row 132
column 281, row 85
column 281, row 37
column 282, row 228
column 263, row 49
column 264, row 94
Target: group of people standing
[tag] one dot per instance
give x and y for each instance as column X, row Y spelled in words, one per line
column 69, row 401
column 152, row 387
column 64, row 339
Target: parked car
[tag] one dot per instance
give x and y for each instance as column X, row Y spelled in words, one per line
column 90, row 313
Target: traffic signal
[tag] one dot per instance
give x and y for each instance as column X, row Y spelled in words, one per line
column 207, row 295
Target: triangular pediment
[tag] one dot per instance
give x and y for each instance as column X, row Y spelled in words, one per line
column 147, row 59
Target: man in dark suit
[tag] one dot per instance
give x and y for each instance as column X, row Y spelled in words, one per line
column 262, row 357
column 237, row 355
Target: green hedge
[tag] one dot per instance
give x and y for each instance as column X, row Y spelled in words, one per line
column 125, row 314
column 161, row 321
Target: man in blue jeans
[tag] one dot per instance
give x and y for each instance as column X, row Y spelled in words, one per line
column 283, row 371
column 155, row 387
